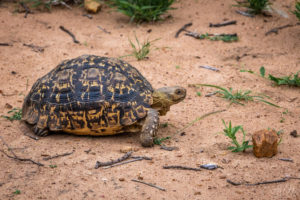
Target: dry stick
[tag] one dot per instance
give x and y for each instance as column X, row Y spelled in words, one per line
column 58, row 155
column 183, row 29
column 223, row 24
column 198, row 119
column 209, row 68
column 124, row 157
column 32, row 137
column 15, row 156
column 104, row 30
column 69, row 33
column 34, row 47
column 233, row 183
column 244, row 13
column 181, row 167
column 5, row 44
column 27, row 10
column 127, row 161
column 149, row 184
column 275, row 30
column 88, row 16
column 286, row 159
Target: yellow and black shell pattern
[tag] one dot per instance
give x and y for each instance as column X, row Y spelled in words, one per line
column 88, row 95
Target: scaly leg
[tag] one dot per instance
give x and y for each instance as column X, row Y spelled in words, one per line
column 40, row 131
column 149, row 129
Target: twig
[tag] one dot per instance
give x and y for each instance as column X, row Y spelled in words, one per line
column 286, row 159
column 104, row 30
column 244, row 13
column 69, row 33
column 263, row 182
column 122, row 163
column 58, row 155
column 15, row 156
column 27, row 10
column 183, row 29
column 198, row 119
column 223, row 24
column 88, row 16
column 5, row 44
column 168, row 148
column 233, row 183
column 124, row 157
column 210, row 94
column 149, row 184
column 35, row 48
column 209, row 67
column 181, row 167
column 32, row 136
column 269, row 182
column 276, row 29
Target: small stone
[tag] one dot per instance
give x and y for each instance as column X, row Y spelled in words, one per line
column 92, row 6
column 294, row 133
column 126, row 149
column 121, row 179
column 8, row 106
column 265, row 143
column 222, row 177
column 197, row 193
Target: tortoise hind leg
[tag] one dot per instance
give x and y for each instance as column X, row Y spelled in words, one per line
column 40, row 131
column 149, row 128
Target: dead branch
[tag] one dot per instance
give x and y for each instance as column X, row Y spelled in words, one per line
column 15, row 156
column 69, row 33
column 124, row 157
column 209, row 68
column 276, row 29
column 183, row 28
column 286, row 159
column 223, row 24
column 233, row 183
column 135, row 158
column 5, row 44
column 104, row 30
column 149, row 184
column 27, row 10
column 58, row 155
column 168, row 148
column 35, row 48
column 246, row 14
column 181, row 167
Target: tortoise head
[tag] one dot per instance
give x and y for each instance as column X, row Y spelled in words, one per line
column 164, row 97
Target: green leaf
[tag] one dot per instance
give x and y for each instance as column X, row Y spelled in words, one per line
column 262, row 71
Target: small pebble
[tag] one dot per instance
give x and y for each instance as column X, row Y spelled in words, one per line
column 121, row 179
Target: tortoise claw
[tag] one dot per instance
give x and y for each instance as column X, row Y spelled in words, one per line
column 40, row 131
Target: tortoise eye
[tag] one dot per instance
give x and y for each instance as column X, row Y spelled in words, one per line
column 178, row 92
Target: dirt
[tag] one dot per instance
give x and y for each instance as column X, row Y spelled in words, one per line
column 74, row 176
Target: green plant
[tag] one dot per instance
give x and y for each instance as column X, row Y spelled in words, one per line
column 16, row 114
column 17, row 192
column 140, row 51
column 297, row 11
column 142, row 10
column 292, row 80
column 222, row 37
column 158, row 141
column 198, row 94
column 239, row 95
column 53, row 166
column 230, row 132
column 254, row 6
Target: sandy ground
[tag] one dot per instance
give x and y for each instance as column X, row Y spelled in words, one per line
column 74, row 176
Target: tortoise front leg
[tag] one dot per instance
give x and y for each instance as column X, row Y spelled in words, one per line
column 149, row 128
column 39, row 131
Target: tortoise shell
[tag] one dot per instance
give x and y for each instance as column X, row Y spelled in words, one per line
column 88, row 95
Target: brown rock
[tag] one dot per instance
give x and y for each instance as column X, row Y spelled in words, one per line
column 92, row 6
column 265, row 143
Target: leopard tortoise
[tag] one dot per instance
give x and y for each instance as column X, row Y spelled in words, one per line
column 92, row 95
